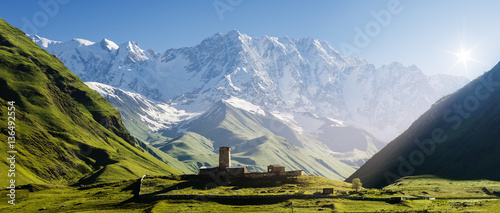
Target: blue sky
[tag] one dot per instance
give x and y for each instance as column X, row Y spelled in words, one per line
column 424, row 33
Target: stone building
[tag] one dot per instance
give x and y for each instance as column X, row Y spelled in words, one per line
column 224, row 157
column 327, row 191
column 242, row 171
column 275, row 168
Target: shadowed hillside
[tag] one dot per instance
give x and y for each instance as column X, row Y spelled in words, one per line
column 458, row 138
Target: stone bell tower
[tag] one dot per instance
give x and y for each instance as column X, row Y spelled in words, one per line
column 224, row 157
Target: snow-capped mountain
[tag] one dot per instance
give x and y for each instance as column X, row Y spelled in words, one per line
column 257, row 137
column 284, row 75
column 135, row 107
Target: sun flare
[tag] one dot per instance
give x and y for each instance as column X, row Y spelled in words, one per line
column 464, row 56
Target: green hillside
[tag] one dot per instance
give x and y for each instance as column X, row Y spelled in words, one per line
column 254, row 141
column 426, row 185
column 65, row 132
column 458, row 138
column 171, row 161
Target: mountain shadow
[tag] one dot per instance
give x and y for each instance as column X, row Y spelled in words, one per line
column 457, row 138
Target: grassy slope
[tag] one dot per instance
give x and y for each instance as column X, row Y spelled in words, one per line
column 66, row 132
column 255, row 144
column 471, row 151
column 118, row 197
column 164, row 157
column 438, row 187
column 191, row 149
column 141, row 131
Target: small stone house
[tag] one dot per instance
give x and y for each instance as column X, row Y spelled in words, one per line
column 275, row 168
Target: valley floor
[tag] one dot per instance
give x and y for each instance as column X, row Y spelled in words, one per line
column 451, row 196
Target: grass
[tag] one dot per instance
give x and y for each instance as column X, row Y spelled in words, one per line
column 164, row 157
column 119, row 196
column 307, row 184
column 106, row 197
column 320, row 205
column 191, row 149
column 438, row 187
column 66, row 133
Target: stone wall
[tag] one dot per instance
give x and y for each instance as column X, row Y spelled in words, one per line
column 237, row 172
column 294, row 173
column 257, row 175
column 208, row 172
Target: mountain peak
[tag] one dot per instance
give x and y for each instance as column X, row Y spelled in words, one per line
column 83, row 42
column 129, row 44
column 109, row 45
column 235, row 35
column 134, row 52
column 42, row 41
column 35, row 37
column 234, row 32
column 396, row 66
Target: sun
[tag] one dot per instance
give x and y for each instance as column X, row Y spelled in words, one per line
column 464, row 56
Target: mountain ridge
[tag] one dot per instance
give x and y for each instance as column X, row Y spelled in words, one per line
column 304, row 75
column 257, row 139
column 248, row 122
